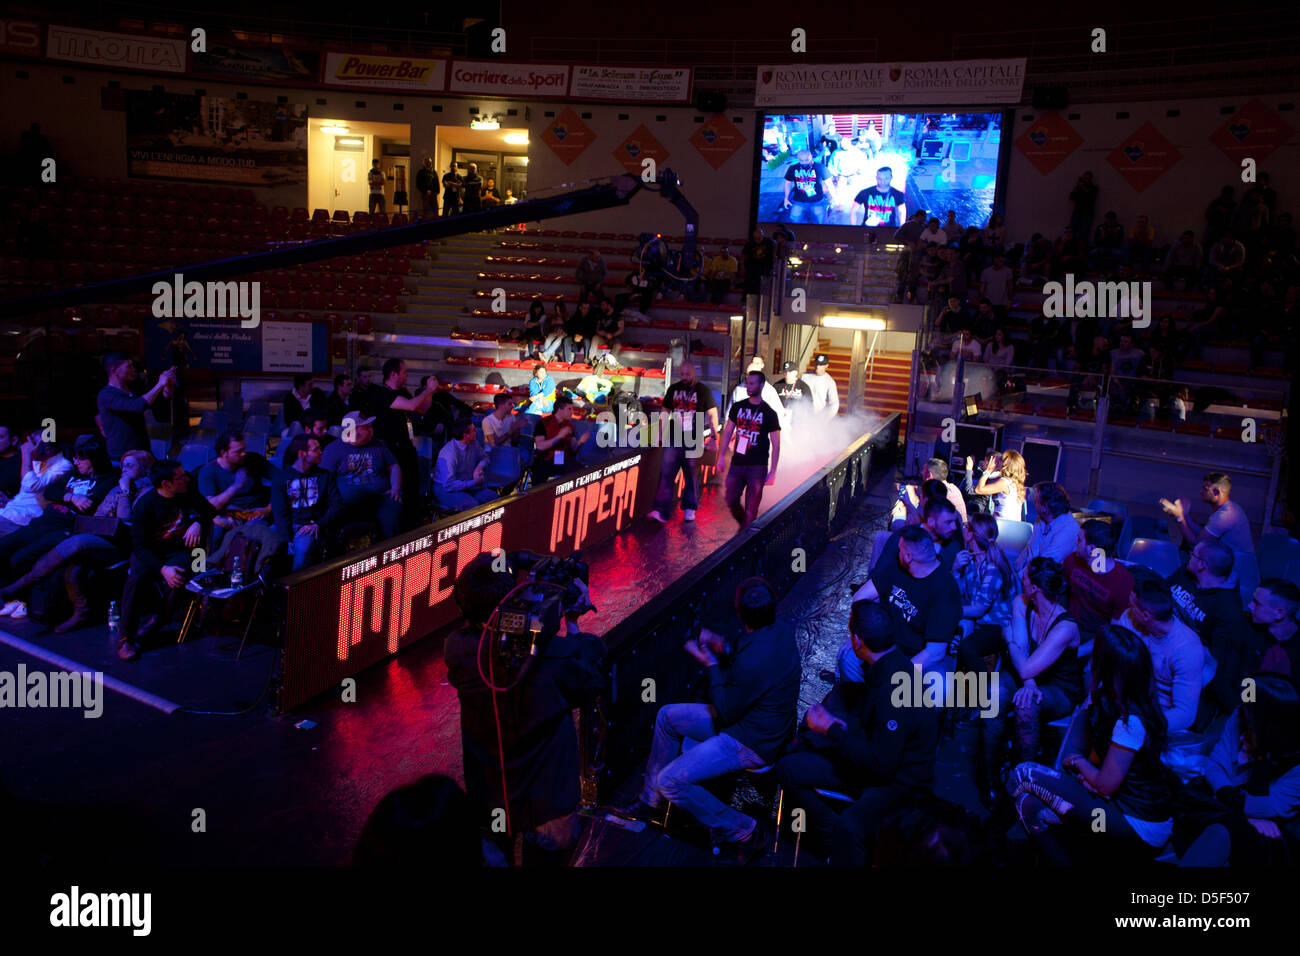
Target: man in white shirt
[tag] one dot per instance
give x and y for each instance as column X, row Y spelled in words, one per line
column 1228, row 522
column 376, row 179
column 995, row 285
column 741, row 391
column 458, row 475
column 501, row 427
column 825, row 393
column 934, row 234
column 43, row 464
column 1056, row 534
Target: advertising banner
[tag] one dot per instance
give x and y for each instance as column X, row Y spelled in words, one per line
column 568, row 136
column 365, row 71
column 116, row 50
column 1048, row 142
column 523, row 80
column 717, row 139
column 1144, row 157
column 1252, row 132
column 253, row 64
column 20, row 38
column 215, row 139
column 968, row 82
column 631, row 83
column 639, row 145
column 223, row 345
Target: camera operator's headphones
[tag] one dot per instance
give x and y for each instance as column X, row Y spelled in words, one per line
column 478, row 584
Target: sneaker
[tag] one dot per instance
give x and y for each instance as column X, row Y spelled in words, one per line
column 688, row 514
column 128, row 650
column 653, row 516
column 19, row 612
column 640, row 810
column 12, row 606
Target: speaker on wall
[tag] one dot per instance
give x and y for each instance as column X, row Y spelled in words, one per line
column 710, row 101
column 1052, row 96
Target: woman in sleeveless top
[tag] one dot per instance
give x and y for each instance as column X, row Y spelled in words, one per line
column 1112, row 769
column 1005, row 482
column 1043, row 644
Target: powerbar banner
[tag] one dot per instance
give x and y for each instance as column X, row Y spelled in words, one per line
column 348, row 615
column 214, row 139
column 365, row 71
column 891, row 84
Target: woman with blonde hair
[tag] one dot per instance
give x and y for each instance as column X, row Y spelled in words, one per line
column 1005, row 482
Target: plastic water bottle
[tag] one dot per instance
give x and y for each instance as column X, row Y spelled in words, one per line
column 237, row 574
column 114, row 621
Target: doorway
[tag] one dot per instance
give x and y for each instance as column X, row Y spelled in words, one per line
column 501, row 154
column 339, row 154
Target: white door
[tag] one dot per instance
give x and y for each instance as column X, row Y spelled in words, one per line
column 348, row 180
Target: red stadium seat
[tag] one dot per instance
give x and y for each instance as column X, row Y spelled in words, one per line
column 399, row 219
column 361, row 219
column 400, row 267
column 299, row 214
column 342, row 301
column 291, row 299
column 379, row 221
column 351, row 282
column 341, row 215
column 315, row 300
column 394, row 285
column 320, row 215
column 279, row 214
column 386, row 303
column 358, row 264
column 372, row 283
column 365, row 302
column 363, row 323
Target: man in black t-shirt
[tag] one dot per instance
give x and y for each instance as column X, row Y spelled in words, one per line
column 756, row 427
column 451, row 186
column 686, row 400
column 389, row 404
column 426, row 184
column 882, row 205
column 805, row 190
column 759, row 255
column 795, row 395
column 472, row 190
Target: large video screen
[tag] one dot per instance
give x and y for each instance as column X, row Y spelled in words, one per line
column 877, row 169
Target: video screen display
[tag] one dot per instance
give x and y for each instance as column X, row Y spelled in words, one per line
column 877, row 169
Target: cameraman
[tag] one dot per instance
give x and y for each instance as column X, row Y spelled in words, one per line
column 535, row 727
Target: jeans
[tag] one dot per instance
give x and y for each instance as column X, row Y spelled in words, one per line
column 464, row 499
column 377, row 507
column 572, row 348
column 376, row 203
column 749, row 480
column 450, row 205
column 675, row 459
column 814, row 212
column 141, row 576
column 1047, row 798
column 305, row 549
column 552, row 345
column 674, row 771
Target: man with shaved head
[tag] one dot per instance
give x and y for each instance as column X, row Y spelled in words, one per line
column 692, row 407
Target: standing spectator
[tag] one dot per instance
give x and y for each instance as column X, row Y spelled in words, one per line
column 1113, row 770
column 933, row 233
column 472, row 190
column 1141, row 245
column 301, row 398
column 686, row 400
column 444, row 409
column 1084, row 197
column 167, row 523
column 451, row 190
column 759, row 255
column 1056, row 534
column 1183, row 262
column 1177, row 657
column 390, row 407
column 1036, row 264
column 591, row 273
column 806, row 185
column 377, row 180
column 1218, row 215
column 557, row 450
column 339, row 401
column 42, row 466
column 368, row 475
column 306, row 501
column 426, row 184
column 756, row 427
column 722, row 274
column 950, row 322
column 996, row 283
column 911, row 230
column 970, row 252
column 462, row 464
column 1044, row 341
column 121, row 414
column 11, row 464
column 491, row 197
column 1108, row 243
column 995, row 234
column 951, row 227
column 1004, row 481
column 1071, row 254
column 1228, row 522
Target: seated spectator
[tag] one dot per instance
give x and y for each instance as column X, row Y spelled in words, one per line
column 970, row 253
column 579, row 331
column 999, row 352
column 306, row 501
column 541, row 392
column 121, row 413
column 557, row 449
column 167, row 523
column 995, row 233
column 1108, row 244
column 721, row 271
column 43, row 468
column 922, row 599
column 1043, row 647
column 79, row 552
column 1100, row 587
column 1183, row 263
column 11, row 463
column 996, row 283
column 233, row 484
column 1044, row 341
column 368, row 476
column 339, row 401
column 938, row 518
column 1037, row 263
column 950, row 322
column 857, row 742
column 1227, row 522
column 1112, row 770
column 749, row 718
column 556, row 332
column 608, row 334
column 316, row 424
column 1227, row 261
column 1070, row 255
column 1273, row 609
column 458, row 474
column 1056, row 532
column 965, row 344
column 950, row 279
column 1165, row 347
column 426, row 823
column 532, row 335
column 1177, row 658
column 984, row 323
column 1254, row 773
column 933, row 233
column 591, row 274
column 501, row 426
column 1003, row 480
column 907, row 509
column 987, row 582
column 303, row 396
column 1141, row 246
column 1126, row 360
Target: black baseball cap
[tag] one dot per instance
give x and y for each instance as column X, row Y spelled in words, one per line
column 789, row 367
column 821, row 359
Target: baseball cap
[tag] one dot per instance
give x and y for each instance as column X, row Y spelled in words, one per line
column 357, row 419
column 821, row 359
column 789, row 367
